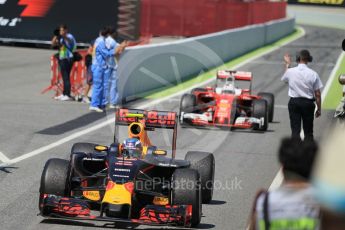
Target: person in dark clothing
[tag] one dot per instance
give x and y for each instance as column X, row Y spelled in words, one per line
column 67, row 44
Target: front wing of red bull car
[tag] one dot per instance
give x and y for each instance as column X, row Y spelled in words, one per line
column 102, row 183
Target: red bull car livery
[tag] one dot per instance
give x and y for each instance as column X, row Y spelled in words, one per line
column 131, row 182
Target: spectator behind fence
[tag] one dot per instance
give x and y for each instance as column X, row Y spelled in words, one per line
column 66, row 44
column 328, row 178
column 291, row 206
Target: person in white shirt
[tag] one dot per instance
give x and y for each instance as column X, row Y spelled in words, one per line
column 304, row 90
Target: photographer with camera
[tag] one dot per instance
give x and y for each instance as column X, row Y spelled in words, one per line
column 66, row 44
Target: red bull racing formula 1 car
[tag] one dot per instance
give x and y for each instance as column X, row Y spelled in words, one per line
column 227, row 105
column 132, row 182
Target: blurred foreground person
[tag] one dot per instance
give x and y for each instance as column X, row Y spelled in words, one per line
column 329, row 180
column 291, row 206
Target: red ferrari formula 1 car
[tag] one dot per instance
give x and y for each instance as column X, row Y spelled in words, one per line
column 227, row 105
column 129, row 182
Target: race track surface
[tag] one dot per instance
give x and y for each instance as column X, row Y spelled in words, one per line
column 245, row 161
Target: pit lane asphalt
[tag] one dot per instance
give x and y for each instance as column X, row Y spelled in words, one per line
column 245, row 161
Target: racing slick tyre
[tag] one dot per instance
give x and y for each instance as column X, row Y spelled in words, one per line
column 269, row 97
column 188, row 102
column 198, row 90
column 186, row 191
column 204, row 163
column 259, row 110
column 54, row 179
column 83, row 148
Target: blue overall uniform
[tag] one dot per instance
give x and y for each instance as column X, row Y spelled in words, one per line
column 99, row 77
column 110, row 87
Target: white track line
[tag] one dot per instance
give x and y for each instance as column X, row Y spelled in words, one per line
column 3, row 158
column 142, row 106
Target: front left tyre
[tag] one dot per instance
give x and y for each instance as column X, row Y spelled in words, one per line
column 54, row 179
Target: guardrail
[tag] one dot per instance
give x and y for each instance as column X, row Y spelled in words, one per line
column 151, row 67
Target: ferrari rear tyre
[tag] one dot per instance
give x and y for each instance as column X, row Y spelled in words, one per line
column 83, row 148
column 269, row 97
column 204, row 163
column 259, row 110
column 186, row 191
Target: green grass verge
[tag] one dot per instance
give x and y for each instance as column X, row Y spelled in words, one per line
column 202, row 77
column 334, row 94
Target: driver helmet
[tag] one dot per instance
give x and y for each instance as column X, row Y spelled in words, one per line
column 229, row 87
column 132, row 147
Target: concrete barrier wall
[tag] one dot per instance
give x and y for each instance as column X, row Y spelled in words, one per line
column 278, row 29
column 146, row 68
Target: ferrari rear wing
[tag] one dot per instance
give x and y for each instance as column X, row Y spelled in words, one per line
column 239, row 75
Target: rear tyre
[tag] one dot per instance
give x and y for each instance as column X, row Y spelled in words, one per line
column 259, row 110
column 54, row 179
column 269, row 97
column 186, row 191
column 204, row 163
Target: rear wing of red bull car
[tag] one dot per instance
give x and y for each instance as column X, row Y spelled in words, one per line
column 150, row 119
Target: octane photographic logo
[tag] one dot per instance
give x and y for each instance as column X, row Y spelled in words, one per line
column 32, row 8
column 166, row 65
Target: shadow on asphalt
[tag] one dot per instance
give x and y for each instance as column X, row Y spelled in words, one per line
column 73, row 124
column 7, row 168
column 206, row 226
column 217, row 202
column 253, row 131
